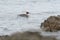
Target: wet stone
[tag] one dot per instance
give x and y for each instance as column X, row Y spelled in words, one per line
column 26, row 36
column 51, row 24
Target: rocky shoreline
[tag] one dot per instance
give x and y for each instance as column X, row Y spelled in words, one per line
column 26, row 36
column 51, row 24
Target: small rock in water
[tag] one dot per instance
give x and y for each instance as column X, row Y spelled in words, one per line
column 52, row 24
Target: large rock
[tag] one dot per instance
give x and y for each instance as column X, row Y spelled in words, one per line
column 26, row 36
column 51, row 24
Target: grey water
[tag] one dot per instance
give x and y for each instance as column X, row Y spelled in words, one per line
column 39, row 10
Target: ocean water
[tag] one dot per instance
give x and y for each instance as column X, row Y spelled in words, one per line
column 39, row 10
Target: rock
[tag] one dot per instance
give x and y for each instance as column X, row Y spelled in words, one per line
column 52, row 24
column 26, row 36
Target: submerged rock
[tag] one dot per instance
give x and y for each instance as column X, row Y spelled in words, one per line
column 26, row 36
column 51, row 24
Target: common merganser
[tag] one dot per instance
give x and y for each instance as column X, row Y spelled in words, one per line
column 24, row 15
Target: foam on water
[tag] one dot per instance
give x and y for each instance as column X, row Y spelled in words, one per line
column 39, row 10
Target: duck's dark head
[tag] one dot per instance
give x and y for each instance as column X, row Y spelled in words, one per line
column 27, row 12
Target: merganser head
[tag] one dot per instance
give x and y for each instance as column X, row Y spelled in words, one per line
column 27, row 12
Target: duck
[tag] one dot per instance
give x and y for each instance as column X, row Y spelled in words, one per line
column 24, row 15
